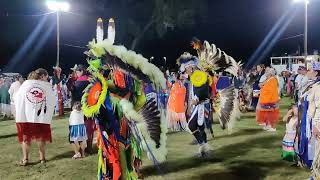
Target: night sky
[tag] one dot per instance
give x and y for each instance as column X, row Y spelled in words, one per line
column 237, row 27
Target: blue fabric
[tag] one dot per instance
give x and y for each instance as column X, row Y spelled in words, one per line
column 208, row 119
column 223, row 82
column 78, row 132
column 239, row 83
column 162, row 99
column 303, row 146
column 112, row 119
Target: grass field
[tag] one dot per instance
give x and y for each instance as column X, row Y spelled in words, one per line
column 247, row 153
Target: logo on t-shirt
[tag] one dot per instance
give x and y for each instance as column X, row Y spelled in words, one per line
column 36, row 95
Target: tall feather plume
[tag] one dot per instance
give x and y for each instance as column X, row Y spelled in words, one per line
column 111, row 30
column 100, row 31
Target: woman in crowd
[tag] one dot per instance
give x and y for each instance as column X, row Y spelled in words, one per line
column 258, row 73
column 308, row 121
column 267, row 113
column 77, row 92
column 177, row 106
column 5, row 109
column 35, row 102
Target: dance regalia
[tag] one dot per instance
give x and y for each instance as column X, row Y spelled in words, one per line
column 215, row 60
column 305, row 142
column 268, row 107
column 176, row 108
column 212, row 59
column 309, row 142
column 200, row 91
column 127, row 122
column 314, row 114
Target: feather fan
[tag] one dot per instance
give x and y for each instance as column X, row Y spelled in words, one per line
column 151, row 126
column 227, row 107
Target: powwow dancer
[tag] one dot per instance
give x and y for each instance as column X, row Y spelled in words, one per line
column 127, row 123
column 305, row 131
column 209, row 58
column 313, row 116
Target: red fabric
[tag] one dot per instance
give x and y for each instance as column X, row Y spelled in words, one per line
column 90, row 127
column 83, row 78
column 60, row 101
column 34, row 131
column 114, row 157
column 213, row 89
column 119, row 79
column 269, row 117
column 111, row 152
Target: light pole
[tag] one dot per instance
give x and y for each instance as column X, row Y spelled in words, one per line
column 58, row 6
column 306, row 2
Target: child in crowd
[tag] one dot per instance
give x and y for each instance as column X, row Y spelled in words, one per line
column 291, row 119
column 77, row 131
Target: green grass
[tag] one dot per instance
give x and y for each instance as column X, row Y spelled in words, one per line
column 247, row 153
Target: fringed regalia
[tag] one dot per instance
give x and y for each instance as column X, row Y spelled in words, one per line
column 127, row 123
column 314, row 114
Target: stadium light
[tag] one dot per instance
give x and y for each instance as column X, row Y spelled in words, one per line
column 58, row 6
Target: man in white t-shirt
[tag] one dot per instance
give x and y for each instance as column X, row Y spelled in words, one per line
column 13, row 91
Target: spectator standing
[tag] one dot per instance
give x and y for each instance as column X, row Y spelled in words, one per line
column 267, row 113
column 256, row 88
column 35, row 102
column 15, row 86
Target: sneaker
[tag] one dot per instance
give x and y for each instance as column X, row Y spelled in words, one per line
column 76, row 156
column 204, row 150
column 266, row 128
column 263, row 124
column 201, row 148
column 207, row 148
column 272, row 129
column 23, row 162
